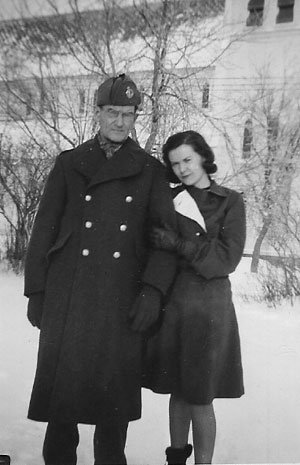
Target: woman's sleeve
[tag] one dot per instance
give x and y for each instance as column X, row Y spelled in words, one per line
column 213, row 257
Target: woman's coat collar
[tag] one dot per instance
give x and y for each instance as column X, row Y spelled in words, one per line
column 217, row 189
column 214, row 188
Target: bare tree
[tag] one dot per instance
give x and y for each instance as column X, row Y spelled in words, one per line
column 271, row 161
column 22, row 175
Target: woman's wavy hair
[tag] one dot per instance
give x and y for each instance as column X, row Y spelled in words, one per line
column 198, row 144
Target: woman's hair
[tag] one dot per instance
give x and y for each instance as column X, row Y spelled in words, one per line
column 198, row 144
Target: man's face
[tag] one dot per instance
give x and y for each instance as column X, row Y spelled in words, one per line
column 116, row 122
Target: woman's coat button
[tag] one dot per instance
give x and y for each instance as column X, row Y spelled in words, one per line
column 88, row 224
column 123, row 227
column 116, row 254
column 88, row 198
column 128, row 199
column 85, row 252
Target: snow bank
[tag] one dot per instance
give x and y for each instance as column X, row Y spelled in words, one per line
column 261, row 427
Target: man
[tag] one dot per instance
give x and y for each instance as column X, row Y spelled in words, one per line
column 94, row 285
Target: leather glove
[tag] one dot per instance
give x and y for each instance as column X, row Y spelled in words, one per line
column 165, row 238
column 146, row 309
column 35, row 309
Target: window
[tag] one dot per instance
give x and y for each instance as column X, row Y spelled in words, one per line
column 95, row 97
column 205, row 95
column 42, row 100
column 81, row 101
column 52, row 103
column 273, row 127
column 28, row 104
column 256, row 12
column 248, row 139
column 286, row 11
column 272, row 133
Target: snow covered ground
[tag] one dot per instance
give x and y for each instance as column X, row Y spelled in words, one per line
column 261, row 427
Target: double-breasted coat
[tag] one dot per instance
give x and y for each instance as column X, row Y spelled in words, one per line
column 196, row 354
column 89, row 254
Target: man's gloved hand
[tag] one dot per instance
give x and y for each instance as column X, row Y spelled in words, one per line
column 165, row 238
column 146, row 308
column 35, row 309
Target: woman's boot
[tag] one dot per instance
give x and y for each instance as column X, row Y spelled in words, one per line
column 178, row 456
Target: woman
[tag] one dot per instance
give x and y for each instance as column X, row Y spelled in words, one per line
column 196, row 354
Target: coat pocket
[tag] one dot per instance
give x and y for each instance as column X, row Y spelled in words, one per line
column 59, row 243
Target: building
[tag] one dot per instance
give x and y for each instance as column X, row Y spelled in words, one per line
column 263, row 56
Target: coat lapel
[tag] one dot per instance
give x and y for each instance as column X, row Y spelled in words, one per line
column 128, row 161
column 88, row 158
column 186, row 205
column 222, row 193
column 218, row 191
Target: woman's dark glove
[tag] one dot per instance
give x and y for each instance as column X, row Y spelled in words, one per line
column 146, row 308
column 35, row 309
column 165, row 238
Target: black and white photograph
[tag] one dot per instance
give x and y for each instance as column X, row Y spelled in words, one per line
column 149, row 232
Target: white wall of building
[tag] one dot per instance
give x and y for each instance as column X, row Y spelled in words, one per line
column 269, row 51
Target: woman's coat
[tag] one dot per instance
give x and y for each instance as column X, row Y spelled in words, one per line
column 196, row 354
column 89, row 254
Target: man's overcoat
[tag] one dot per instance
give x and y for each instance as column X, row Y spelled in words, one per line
column 89, row 254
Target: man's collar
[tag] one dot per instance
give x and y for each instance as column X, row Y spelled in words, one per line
column 107, row 145
column 128, row 161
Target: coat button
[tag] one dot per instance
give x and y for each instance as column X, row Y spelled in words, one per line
column 88, row 224
column 198, row 233
column 116, row 255
column 128, row 199
column 88, row 198
column 123, row 227
column 85, row 252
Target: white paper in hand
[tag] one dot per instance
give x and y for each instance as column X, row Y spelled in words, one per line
column 186, row 206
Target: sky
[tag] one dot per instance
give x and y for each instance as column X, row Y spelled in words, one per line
column 19, row 8
column 14, row 9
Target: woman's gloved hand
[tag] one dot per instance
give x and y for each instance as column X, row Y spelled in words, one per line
column 165, row 238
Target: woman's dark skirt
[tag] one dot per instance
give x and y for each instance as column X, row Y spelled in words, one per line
column 196, row 352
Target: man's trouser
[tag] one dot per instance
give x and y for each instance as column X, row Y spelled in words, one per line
column 62, row 439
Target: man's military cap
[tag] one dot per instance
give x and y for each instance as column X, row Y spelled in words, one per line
column 119, row 91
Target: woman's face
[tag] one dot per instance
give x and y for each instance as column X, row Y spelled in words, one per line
column 187, row 166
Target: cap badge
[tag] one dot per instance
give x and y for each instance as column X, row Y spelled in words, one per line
column 129, row 92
